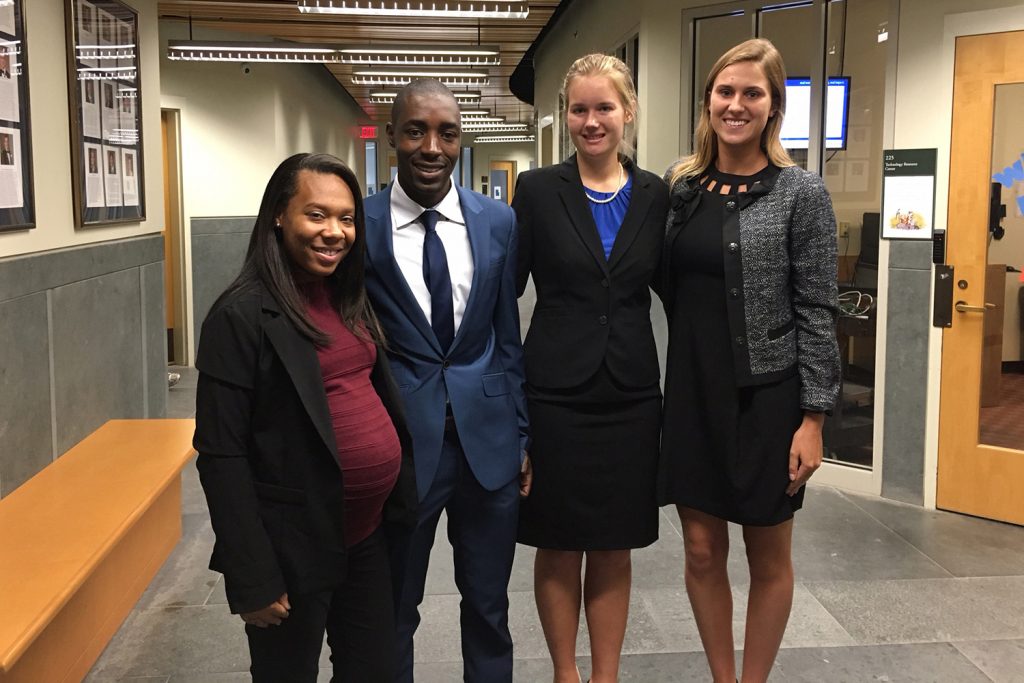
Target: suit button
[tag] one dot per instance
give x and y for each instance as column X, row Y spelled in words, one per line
column 445, row 364
column 604, row 283
column 740, row 341
column 734, row 293
column 603, row 320
column 731, row 205
column 733, row 247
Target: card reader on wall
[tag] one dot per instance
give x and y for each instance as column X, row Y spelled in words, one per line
column 939, row 247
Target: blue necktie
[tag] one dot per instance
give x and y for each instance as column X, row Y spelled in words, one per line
column 439, row 282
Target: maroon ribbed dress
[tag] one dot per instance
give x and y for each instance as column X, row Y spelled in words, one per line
column 368, row 447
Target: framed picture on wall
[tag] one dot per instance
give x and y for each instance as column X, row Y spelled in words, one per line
column 17, row 201
column 105, row 92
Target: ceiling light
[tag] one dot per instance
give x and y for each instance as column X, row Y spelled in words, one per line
column 421, row 55
column 475, row 112
column 521, row 128
column 243, row 51
column 383, row 97
column 505, row 138
column 114, row 73
column 509, row 9
column 405, row 76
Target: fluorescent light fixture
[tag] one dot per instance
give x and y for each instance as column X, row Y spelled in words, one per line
column 420, row 55
column 509, row 9
column 384, row 97
column 505, row 138
column 404, row 76
column 475, row 112
column 10, row 47
column 482, row 119
column 244, row 51
column 485, row 127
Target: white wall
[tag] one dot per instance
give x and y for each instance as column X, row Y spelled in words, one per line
column 51, row 147
column 236, row 127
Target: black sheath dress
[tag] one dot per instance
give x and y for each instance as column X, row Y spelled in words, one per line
column 725, row 449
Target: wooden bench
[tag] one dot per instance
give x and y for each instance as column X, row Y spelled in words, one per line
column 81, row 540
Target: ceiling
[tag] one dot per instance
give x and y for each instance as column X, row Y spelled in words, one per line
column 282, row 20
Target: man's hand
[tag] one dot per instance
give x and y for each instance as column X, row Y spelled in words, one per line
column 525, row 476
column 272, row 614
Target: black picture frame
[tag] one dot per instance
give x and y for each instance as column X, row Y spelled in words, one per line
column 105, row 98
column 17, row 196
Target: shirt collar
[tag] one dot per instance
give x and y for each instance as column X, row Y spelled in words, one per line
column 405, row 211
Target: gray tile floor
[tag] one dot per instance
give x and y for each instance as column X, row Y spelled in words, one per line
column 885, row 592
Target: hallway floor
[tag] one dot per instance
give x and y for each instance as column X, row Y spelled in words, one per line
column 885, row 592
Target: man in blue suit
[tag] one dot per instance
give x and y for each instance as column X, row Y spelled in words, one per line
column 441, row 264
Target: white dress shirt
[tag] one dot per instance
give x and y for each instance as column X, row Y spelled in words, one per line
column 408, row 233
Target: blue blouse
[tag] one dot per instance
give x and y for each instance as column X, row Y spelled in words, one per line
column 608, row 217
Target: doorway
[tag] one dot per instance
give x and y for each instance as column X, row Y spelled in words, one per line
column 503, row 180
column 174, row 268
column 981, row 445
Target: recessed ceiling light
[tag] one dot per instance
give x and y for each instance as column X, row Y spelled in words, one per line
column 405, row 76
column 421, row 55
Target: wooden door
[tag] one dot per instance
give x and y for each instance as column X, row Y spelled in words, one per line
column 503, row 180
column 974, row 475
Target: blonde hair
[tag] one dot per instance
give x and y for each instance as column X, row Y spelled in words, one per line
column 705, row 141
column 618, row 74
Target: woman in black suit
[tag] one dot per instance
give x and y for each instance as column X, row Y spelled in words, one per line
column 303, row 451
column 590, row 234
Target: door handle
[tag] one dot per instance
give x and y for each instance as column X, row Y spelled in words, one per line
column 962, row 307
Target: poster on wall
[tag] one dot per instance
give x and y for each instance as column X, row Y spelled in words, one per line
column 106, row 119
column 17, row 206
column 908, row 194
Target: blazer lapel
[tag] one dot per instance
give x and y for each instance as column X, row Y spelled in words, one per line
column 478, row 228
column 298, row 355
column 639, row 205
column 381, row 254
column 575, row 201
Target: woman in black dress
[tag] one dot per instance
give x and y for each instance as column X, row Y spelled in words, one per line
column 591, row 231
column 749, row 286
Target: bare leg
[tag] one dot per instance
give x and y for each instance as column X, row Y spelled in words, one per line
column 706, row 540
column 606, row 601
column 558, row 590
column 769, row 554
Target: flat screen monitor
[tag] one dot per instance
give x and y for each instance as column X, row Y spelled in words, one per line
column 796, row 126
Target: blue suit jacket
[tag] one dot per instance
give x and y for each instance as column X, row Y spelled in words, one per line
column 482, row 371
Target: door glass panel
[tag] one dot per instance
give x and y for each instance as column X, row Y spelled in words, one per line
column 855, row 59
column 714, row 36
column 793, row 30
column 1001, row 419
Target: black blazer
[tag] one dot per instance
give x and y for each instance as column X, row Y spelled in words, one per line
column 268, row 459
column 589, row 309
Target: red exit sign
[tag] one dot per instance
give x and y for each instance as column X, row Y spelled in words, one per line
column 368, row 132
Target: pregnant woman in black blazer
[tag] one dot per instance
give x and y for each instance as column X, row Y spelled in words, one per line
column 591, row 234
column 303, row 451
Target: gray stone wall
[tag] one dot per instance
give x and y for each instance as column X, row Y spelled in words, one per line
column 218, row 249
column 83, row 342
column 908, row 323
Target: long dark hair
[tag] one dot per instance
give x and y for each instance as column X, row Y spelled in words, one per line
column 267, row 264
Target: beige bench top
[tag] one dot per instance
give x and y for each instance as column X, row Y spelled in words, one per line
column 56, row 527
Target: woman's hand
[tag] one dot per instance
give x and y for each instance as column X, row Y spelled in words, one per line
column 805, row 451
column 272, row 614
column 525, row 476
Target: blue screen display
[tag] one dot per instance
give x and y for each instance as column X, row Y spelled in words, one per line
column 796, row 126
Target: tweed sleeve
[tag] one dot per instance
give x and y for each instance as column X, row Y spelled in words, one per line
column 813, row 264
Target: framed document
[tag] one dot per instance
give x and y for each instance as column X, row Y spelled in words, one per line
column 105, row 90
column 17, row 201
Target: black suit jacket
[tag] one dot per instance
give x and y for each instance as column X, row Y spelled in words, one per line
column 590, row 309
column 268, row 458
